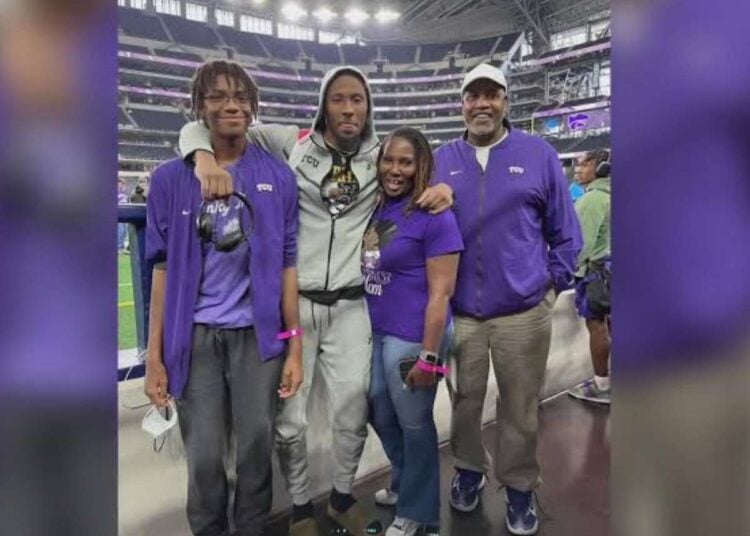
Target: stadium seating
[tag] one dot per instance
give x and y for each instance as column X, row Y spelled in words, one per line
column 158, row 118
column 283, row 49
column 145, row 152
column 506, row 42
column 178, row 55
column 478, row 47
column 326, row 54
column 134, row 48
column 414, row 74
column 358, row 55
column 398, row 54
column 192, row 33
column 245, row 43
column 122, row 119
column 435, row 52
column 449, row 70
column 271, row 68
column 138, row 23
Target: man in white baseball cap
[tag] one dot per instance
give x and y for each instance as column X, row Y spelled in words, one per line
column 484, row 71
column 521, row 238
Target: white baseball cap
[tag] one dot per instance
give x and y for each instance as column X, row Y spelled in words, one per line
column 484, row 70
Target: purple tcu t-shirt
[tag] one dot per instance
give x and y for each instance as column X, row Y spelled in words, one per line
column 224, row 293
column 395, row 250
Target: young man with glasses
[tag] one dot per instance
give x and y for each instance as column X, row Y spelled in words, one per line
column 223, row 318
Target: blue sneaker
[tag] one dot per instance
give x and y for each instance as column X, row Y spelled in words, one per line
column 521, row 515
column 465, row 488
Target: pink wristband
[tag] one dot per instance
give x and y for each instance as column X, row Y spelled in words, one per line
column 426, row 367
column 284, row 335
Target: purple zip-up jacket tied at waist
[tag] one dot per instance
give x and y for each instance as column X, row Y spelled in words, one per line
column 520, row 230
column 174, row 203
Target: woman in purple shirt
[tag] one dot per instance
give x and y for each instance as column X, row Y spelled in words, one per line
column 409, row 262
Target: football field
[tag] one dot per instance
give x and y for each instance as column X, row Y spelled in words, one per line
column 126, row 333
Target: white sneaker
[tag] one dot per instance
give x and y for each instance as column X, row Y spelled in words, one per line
column 386, row 497
column 403, row 527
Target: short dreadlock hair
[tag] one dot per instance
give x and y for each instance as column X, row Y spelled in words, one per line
column 205, row 77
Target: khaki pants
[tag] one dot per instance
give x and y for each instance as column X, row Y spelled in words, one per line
column 518, row 345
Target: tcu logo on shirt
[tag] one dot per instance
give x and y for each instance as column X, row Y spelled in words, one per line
column 265, row 187
column 516, row 170
column 314, row 162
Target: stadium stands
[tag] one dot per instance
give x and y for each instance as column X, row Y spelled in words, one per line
column 313, row 72
column 283, row 49
column 150, row 130
column 122, row 119
column 138, row 23
column 581, row 46
column 158, row 119
column 135, row 48
column 581, row 144
column 478, row 47
column 398, row 53
column 145, row 152
column 358, row 55
column 326, row 54
column 506, row 42
column 270, row 68
column 164, row 53
column 192, row 33
column 449, row 70
column 130, row 78
column 458, row 124
column 414, row 74
column 435, row 52
column 245, row 43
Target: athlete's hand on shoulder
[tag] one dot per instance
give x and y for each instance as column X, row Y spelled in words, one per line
column 436, row 199
column 216, row 182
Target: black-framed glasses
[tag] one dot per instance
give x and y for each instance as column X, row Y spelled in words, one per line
column 243, row 99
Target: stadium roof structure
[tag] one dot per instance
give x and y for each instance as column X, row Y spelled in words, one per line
column 424, row 21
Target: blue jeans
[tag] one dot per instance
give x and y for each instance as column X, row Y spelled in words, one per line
column 403, row 420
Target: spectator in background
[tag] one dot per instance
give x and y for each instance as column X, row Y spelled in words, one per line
column 593, row 273
column 122, row 228
column 138, row 195
column 575, row 188
column 521, row 238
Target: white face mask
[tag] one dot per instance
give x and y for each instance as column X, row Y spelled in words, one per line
column 155, row 424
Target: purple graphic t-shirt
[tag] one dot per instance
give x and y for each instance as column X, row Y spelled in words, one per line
column 224, row 294
column 395, row 250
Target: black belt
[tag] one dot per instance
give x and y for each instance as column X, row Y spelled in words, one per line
column 329, row 297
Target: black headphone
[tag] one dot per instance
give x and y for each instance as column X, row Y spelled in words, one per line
column 206, row 227
column 604, row 168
